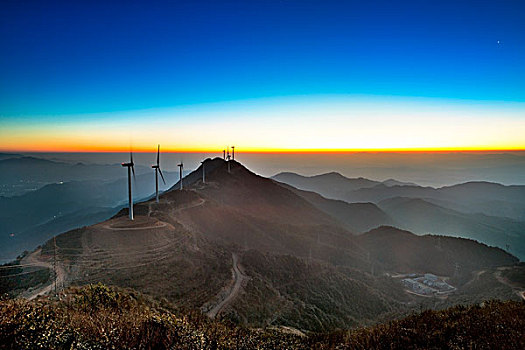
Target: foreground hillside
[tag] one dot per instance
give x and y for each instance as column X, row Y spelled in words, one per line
column 100, row 317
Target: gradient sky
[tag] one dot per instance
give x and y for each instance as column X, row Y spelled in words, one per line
column 264, row 75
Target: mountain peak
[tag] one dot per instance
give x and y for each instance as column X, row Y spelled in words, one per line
column 332, row 174
column 387, row 230
column 393, row 182
column 216, row 170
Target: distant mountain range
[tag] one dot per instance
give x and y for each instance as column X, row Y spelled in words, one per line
column 473, row 197
column 9, row 155
column 257, row 252
column 490, row 213
column 19, row 175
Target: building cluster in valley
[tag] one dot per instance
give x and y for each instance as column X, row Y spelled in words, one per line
column 427, row 284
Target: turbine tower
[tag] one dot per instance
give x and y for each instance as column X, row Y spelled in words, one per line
column 180, row 174
column 223, row 154
column 157, row 172
column 228, row 159
column 131, row 168
column 203, row 172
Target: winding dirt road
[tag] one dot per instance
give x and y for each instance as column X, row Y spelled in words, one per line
column 33, row 258
column 159, row 224
column 239, row 278
column 198, row 203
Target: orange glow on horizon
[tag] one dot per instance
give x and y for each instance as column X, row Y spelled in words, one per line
column 320, row 125
column 255, row 150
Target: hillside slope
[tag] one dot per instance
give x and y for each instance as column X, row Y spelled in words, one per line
column 356, row 217
column 402, row 251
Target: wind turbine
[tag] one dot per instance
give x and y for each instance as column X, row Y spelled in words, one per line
column 228, row 159
column 223, row 154
column 157, row 172
column 233, row 152
column 180, row 169
column 203, row 172
column 131, row 168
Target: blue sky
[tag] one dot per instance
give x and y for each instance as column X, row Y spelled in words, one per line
column 75, row 58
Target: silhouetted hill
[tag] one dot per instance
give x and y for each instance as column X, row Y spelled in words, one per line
column 404, row 252
column 420, row 216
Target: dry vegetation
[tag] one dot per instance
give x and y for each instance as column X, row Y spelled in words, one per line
column 100, row 317
column 312, row 294
column 14, row 280
column 490, row 325
column 515, row 275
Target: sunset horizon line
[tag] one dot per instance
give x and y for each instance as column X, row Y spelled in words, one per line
column 276, row 151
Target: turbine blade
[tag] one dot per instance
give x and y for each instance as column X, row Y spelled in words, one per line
column 162, row 176
column 133, row 171
column 131, row 157
column 158, row 155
